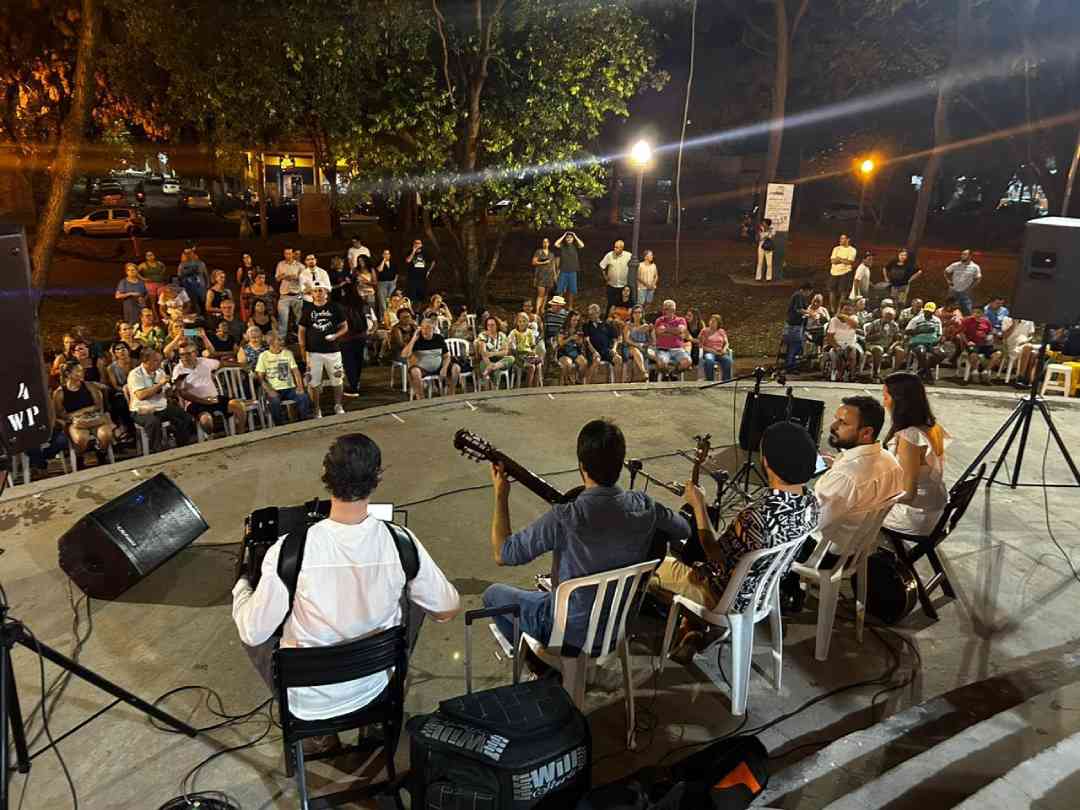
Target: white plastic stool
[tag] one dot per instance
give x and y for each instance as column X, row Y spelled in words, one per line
column 1054, row 372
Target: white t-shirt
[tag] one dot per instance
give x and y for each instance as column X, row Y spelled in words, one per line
column 842, row 252
column 860, row 286
column 138, row 379
column 843, row 333
column 349, row 587
column 354, row 252
column 198, row 381
column 309, row 278
column 1022, row 334
column 618, row 268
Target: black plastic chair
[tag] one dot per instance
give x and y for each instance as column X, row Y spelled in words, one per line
column 296, row 667
column 912, row 548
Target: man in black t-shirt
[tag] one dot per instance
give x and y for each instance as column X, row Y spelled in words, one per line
column 322, row 325
column 427, row 354
column 601, row 338
column 419, row 268
column 899, row 273
column 233, row 324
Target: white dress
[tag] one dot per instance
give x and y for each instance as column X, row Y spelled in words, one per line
column 921, row 515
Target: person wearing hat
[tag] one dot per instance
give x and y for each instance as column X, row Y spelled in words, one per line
column 787, row 511
column 322, row 325
column 554, row 320
column 924, row 339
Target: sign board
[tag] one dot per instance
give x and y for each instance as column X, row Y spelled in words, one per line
column 778, row 201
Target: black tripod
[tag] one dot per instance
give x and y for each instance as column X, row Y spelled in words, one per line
column 1020, row 422
column 13, row 632
column 741, row 482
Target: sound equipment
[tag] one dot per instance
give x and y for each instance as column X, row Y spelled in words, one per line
column 1047, row 288
column 120, row 542
column 762, row 410
column 891, row 591
column 25, row 420
column 264, row 527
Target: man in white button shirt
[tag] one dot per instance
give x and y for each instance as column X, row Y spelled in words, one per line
column 312, row 276
column 148, row 388
column 615, row 267
column 350, row 585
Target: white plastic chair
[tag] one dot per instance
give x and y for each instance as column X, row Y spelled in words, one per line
column 140, row 431
column 429, row 383
column 394, row 366
column 74, row 456
column 1058, row 379
column 520, row 375
column 828, row 580
column 627, row 582
column 765, row 602
column 239, row 383
column 461, row 349
column 20, row 465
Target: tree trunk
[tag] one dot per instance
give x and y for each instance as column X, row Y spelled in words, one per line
column 260, row 187
column 475, row 277
column 1072, row 177
column 780, row 88
column 64, row 165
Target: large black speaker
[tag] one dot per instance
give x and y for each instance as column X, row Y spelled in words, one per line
column 25, row 423
column 119, row 543
column 773, row 408
column 1048, row 281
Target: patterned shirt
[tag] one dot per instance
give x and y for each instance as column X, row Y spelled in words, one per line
column 775, row 519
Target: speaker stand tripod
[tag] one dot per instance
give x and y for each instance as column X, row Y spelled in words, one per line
column 1020, row 422
column 741, row 484
column 13, row 632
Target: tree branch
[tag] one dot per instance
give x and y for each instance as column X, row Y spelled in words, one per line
column 440, row 24
column 798, row 18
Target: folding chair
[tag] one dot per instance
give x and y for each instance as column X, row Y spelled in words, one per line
column 239, row 383
column 297, row 667
column 912, row 548
column 767, row 566
column 576, row 664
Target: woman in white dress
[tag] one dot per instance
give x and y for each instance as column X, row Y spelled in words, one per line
column 918, row 442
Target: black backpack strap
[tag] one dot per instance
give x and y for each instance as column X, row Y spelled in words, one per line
column 406, row 549
column 291, row 558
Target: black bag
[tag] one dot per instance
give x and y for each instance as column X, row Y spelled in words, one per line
column 767, row 244
column 509, row 748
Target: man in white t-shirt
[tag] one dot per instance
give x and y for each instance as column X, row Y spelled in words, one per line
column 193, row 377
column 841, row 266
column 312, row 276
column 350, row 586
column 841, row 337
column 860, row 285
column 358, row 248
column 148, row 389
column 615, row 267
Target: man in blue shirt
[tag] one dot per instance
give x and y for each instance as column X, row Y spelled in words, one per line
column 603, row 529
column 996, row 313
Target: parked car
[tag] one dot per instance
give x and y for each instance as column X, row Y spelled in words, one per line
column 841, row 211
column 196, row 198
column 107, row 222
column 112, row 194
column 170, row 186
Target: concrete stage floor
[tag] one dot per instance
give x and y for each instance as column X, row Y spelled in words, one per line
column 175, row 628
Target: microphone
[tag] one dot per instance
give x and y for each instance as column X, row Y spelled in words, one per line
column 635, row 466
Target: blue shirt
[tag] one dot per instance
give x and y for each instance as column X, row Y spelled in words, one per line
column 996, row 316
column 604, row 528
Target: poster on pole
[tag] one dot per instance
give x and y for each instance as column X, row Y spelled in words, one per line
column 778, row 203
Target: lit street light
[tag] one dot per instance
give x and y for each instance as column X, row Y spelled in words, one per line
column 866, row 171
column 641, row 157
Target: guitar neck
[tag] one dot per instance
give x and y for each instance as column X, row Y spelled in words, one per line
column 532, row 482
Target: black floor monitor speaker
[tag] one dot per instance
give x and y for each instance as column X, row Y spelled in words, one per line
column 773, row 408
column 1048, row 280
column 122, row 541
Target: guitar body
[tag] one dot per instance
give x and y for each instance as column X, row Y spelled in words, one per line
column 688, row 550
column 891, row 593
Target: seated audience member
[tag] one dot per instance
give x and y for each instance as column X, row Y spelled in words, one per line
column 189, row 328
column 601, row 343
column 436, row 308
column 861, row 313
column 817, row 321
column 131, row 293
column 350, row 552
column 171, row 296
column 919, row 444
column 154, row 274
column 884, row 339
column 116, row 375
column 843, row 342
column 149, row 388
column 1018, row 343
column 149, row 332
column 235, row 326
column 261, row 290
column 924, row 339
column 669, row 338
column 715, row 350
column 281, row 380
column 979, row 344
column 787, row 511
column 217, row 293
column 254, row 344
column 554, row 320
column 603, row 529
column 65, row 355
column 222, row 344
column 694, row 325
column 125, row 333
column 262, row 318
column 80, row 407
column 524, row 348
column 638, row 341
column 952, row 329
column 997, row 312
column 401, row 333
column 398, row 301
column 573, row 367
column 493, row 348
column 904, row 316
column 460, row 327
column 427, row 355
column 93, row 370
column 193, row 377
column 621, row 309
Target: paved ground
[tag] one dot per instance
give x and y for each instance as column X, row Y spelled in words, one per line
column 174, row 627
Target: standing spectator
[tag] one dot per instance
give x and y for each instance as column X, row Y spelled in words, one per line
column 842, row 338
column 883, row 338
column 131, row 293
column 639, row 339
column 715, row 349
column 356, row 250
column 568, row 246
column 281, row 381
column 670, row 336
column 924, row 340
column 193, row 277
column 322, row 325
column 615, row 268
column 900, row 273
column 494, row 350
column 149, row 332
column 648, row 277
column 340, row 277
column 418, row 270
column 356, row 306
column 571, row 352
column 287, row 274
column 150, row 406
column 523, row 346
column 81, row 408
column 217, row 293
column 841, row 268
column 795, row 325
column 233, row 325
column 193, row 377
column 860, row 285
column 387, row 276
column 963, row 277
column 363, row 278
column 245, row 277
column 313, row 276
column 601, row 342
column 543, row 264
column 766, row 235
column 997, row 312
column 154, row 273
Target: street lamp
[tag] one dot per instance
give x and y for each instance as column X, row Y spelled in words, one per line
column 640, row 156
column 866, row 171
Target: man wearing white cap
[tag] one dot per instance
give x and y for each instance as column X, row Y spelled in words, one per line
column 322, row 325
